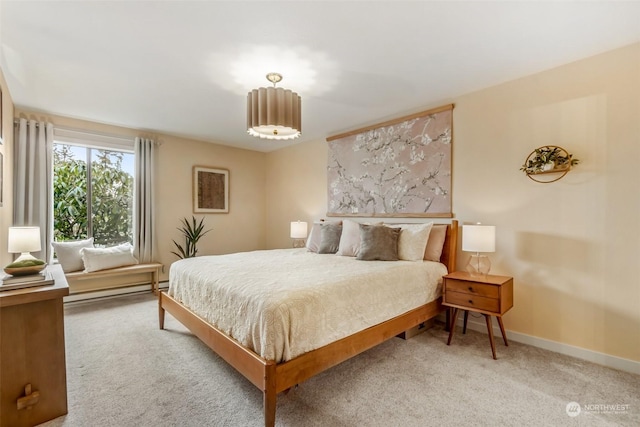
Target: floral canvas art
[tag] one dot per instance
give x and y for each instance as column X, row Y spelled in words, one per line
column 400, row 168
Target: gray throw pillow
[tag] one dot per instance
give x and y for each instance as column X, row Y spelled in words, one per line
column 329, row 238
column 378, row 242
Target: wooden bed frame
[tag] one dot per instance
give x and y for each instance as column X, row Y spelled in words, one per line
column 271, row 377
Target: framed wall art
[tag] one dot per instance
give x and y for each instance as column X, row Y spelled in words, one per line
column 399, row 168
column 210, row 190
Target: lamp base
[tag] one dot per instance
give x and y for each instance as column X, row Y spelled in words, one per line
column 299, row 243
column 478, row 265
column 24, row 256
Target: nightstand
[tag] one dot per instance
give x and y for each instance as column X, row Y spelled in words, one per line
column 489, row 295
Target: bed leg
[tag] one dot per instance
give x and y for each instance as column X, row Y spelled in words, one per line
column 269, row 396
column 269, row 401
column 160, row 311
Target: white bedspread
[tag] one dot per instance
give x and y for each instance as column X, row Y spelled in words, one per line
column 285, row 302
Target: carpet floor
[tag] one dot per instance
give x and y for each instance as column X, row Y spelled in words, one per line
column 123, row 371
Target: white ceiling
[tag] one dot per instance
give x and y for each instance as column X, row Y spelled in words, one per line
column 184, row 67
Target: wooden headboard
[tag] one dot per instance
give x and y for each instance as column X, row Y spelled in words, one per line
column 450, row 247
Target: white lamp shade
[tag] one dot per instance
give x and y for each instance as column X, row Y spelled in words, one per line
column 479, row 238
column 298, row 230
column 24, row 239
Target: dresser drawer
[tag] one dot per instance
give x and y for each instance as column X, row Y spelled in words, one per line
column 472, row 301
column 480, row 289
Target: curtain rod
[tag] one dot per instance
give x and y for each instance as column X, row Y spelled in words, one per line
column 82, row 131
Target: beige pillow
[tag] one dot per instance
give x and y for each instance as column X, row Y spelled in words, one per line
column 413, row 241
column 350, row 239
column 438, row 233
column 378, row 242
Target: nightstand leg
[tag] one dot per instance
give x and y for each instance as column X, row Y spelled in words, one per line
column 466, row 317
column 490, row 332
column 504, row 336
column 453, row 325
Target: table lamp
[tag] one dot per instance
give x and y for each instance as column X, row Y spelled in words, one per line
column 478, row 238
column 24, row 240
column 298, row 233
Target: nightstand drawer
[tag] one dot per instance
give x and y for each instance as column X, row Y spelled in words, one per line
column 467, row 287
column 472, row 301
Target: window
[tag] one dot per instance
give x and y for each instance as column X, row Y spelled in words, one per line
column 92, row 194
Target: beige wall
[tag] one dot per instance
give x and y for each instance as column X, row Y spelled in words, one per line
column 572, row 246
column 296, row 189
column 242, row 229
column 6, row 148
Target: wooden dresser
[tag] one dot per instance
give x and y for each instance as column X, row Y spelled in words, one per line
column 33, row 373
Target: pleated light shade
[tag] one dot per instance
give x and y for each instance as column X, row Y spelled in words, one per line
column 274, row 113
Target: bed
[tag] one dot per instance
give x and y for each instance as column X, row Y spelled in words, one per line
column 275, row 349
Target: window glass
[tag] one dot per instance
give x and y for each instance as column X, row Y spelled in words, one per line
column 103, row 177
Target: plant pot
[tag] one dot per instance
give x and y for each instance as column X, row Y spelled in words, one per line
column 548, row 166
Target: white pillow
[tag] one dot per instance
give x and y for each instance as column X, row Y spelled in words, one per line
column 68, row 253
column 413, row 241
column 313, row 241
column 350, row 238
column 102, row 258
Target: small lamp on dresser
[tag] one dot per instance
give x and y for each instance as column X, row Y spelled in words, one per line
column 298, row 233
column 479, row 239
column 23, row 240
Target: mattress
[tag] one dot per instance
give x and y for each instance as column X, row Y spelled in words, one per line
column 285, row 302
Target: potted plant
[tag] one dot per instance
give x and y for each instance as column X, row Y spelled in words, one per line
column 192, row 232
column 548, row 158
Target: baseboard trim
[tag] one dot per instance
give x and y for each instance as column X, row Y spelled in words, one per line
column 84, row 296
column 607, row 360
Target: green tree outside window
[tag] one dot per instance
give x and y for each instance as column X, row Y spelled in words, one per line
column 111, row 210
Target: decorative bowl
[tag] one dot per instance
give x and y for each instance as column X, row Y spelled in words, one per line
column 23, row 271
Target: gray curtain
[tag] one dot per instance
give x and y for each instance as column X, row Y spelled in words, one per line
column 143, row 204
column 33, row 183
